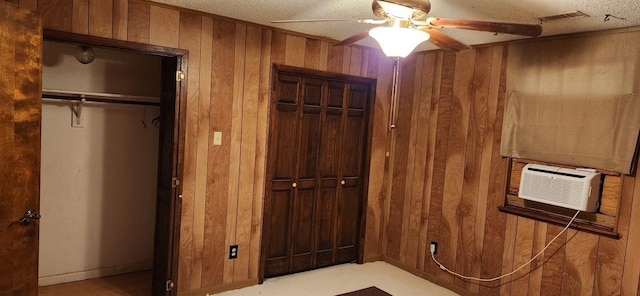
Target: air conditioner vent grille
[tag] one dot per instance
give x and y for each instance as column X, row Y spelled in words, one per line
column 563, row 16
column 555, row 189
column 562, row 187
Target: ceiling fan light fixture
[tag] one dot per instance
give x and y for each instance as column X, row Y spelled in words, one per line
column 398, row 42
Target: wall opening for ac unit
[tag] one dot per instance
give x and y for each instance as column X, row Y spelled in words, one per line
column 553, row 193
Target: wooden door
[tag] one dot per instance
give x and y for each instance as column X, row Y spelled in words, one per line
column 168, row 206
column 352, row 174
column 20, row 115
column 315, row 169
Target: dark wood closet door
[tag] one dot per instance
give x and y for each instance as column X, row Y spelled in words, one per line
column 306, row 181
column 281, row 174
column 351, row 172
column 168, row 206
column 329, row 172
column 315, row 173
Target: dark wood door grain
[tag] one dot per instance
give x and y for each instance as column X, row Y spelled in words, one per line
column 168, row 206
column 315, row 169
column 351, row 172
column 282, row 152
column 20, row 116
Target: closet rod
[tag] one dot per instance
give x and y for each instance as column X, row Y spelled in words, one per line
column 115, row 99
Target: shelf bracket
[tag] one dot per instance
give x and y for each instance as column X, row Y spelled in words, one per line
column 76, row 113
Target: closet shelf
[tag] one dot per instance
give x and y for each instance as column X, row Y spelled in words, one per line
column 99, row 97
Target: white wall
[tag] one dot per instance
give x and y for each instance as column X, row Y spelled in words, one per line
column 112, row 71
column 98, row 186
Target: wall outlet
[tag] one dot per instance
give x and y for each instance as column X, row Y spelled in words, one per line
column 233, row 252
column 434, row 247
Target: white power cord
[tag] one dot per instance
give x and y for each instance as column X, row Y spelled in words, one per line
column 508, row 274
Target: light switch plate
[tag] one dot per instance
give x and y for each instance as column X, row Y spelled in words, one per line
column 217, row 138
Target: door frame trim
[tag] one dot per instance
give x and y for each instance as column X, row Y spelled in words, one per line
column 179, row 109
column 372, row 82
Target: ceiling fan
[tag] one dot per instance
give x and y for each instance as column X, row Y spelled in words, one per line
column 405, row 24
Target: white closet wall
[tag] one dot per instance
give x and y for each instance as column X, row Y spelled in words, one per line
column 98, row 182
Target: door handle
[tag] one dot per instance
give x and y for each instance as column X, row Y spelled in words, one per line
column 343, row 182
column 29, row 217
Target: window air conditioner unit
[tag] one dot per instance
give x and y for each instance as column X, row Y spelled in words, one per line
column 574, row 189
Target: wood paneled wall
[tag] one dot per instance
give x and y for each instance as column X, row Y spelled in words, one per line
column 446, row 176
column 228, row 82
column 448, row 179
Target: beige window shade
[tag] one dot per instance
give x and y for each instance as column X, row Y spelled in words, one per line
column 574, row 101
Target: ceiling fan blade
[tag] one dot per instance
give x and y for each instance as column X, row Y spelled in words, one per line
column 445, row 42
column 495, row 27
column 312, row 21
column 353, row 39
column 363, row 21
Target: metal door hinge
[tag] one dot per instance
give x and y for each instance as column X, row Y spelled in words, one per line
column 179, row 75
column 170, row 285
column 175, row 182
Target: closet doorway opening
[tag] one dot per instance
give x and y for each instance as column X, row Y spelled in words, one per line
column 112, row 155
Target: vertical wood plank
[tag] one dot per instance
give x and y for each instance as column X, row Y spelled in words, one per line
column 248, row 149
column 611, row 252
column 485, row 166
column 56, row 14
column 120, row 17
column 472, row 163
column 312, row 54
column 164, row 28
column 410, row 204
column 364, row 62
column 138, row 20
column 424, row 75
column 376, row 201
column 346, row 60
column 324, row 56
column 335, row 59
column 261, row 153
column 101, row 18
column 215, row 238
column 204, row 109
column 278, row 47
column 80, row 22
column 510, row 235
column 440, row 153
column 495, row 222
column 433, row 82
column 397, row 223
column 295, row 50
column 373, row 64
column 191, row 256
column 539, row 241
column 236, row 146
column 631, row 271
column 522, row 254
column 580, row 263
column 355, row 61
column 459, row 123
column 551, row 282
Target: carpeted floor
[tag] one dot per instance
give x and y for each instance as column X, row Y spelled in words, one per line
column 346, row 278
column 371, row 291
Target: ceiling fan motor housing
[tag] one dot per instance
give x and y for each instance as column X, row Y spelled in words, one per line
column 420, row 8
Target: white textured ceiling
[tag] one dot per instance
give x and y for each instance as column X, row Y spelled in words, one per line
column 626, row 14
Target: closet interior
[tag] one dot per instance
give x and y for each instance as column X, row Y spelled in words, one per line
column 99, row 171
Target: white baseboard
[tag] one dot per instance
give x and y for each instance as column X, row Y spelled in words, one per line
column 91, row 274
